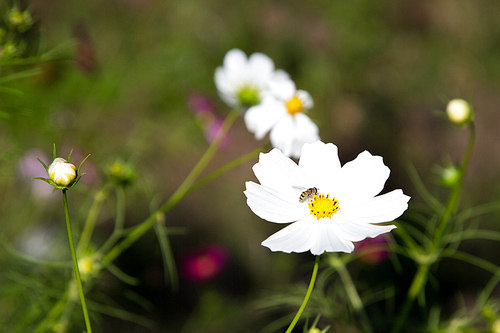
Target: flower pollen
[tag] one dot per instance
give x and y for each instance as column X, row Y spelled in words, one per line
column 294, row 105
column 322, row 206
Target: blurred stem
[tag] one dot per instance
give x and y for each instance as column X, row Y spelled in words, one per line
column 452, row 204
column 306, row 298
column 75, row 264
column 178, row 195
column 416, row 285
column 351, row 291
column 434, row 248
column 56, row 311
column 89, row 226
column 225, row 168
column 119, row 220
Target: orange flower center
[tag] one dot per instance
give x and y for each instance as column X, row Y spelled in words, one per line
column 294, row 105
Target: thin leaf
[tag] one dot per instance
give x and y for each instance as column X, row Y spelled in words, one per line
column 169, row 267
column 122, row 276
column 20, row 75
column 422, row 190
column 471, row 259
column 32, row 260
column 121, row 314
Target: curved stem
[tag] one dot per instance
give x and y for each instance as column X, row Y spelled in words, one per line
column 75, row 264
column 351, row 291
column 119, row 220
column 452, row 203
column 306, row 298
column 90, row 223
column 178, row 195
column 451, row 206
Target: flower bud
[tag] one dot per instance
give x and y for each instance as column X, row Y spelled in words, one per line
column 449, row 176
column 495, row 327
column 19, row 21
column 121, row 173
column 459, row 112
column 317, row 330
column 61, row 172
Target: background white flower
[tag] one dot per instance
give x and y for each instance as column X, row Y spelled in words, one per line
column 344, row 209
column 282, row 113
column 242, row 81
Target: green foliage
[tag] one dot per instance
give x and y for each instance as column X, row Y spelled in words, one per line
column 117, row 84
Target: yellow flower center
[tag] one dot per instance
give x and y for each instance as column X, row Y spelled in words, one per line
column 322, row 206
column 294, row 105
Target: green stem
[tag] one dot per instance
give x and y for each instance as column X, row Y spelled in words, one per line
column 306, row 298
column 75, row 264
column 55, row 312
column 90, row 223
column 418, row 282
column 351, row 291
column 451, row 206
column 119, row 220
column 178, row 195
column 452, row 203
column 225, row 168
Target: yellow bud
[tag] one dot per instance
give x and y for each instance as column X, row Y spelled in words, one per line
column 62, row 172
column 459, row 111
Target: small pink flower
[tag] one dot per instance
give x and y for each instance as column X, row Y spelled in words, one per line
column 30, row 168
column 205, row 111
column 204, row 264
column 199, row 103
column 375, row 250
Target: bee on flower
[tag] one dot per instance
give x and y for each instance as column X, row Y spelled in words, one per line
column 347, row 207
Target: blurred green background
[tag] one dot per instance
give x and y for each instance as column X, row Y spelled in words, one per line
column 377, row 71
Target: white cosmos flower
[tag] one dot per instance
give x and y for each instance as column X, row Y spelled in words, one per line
column 243, row 81
column 345, row 209
column 282, row 113
column 62, row 172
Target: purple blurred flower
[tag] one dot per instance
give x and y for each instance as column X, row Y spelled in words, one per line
column 205, row 111
column 204, row 264
column 29, row 168
column 375, row 250
column 199, row 103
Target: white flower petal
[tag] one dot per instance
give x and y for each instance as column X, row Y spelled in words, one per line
column 225, row 88
column 260, row 66
column 235, row 61
column 358, row 217
column 329, row 240
column 274, row 206
column 291, row 132
column 383, row 208
column 283, row 89
column 362, row 179
column 276, row 171
column 320, row 162
column 298, row 237
column 305, row 98
column 238, row 72
column 260, row 118
column 280, row 74
column 356, row 232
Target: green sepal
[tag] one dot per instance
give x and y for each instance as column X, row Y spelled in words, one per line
column 45, row 167
column 78, row 170
column 71, row 152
